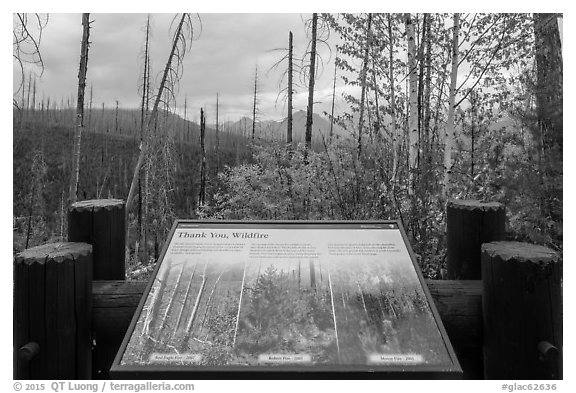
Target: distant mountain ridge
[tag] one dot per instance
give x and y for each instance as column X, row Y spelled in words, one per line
column 277, row 130
column 126, row 122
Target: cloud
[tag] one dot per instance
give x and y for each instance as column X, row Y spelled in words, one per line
column 222, row 60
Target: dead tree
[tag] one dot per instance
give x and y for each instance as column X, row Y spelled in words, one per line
column 255, row 101
column 333, row 98
column 144, row 107
column 312, row 73
column 90, row 106
column 202, row 193
column 170, row 76
column 26, row 39
column 190, row 281
column 290, row 88
column 80, row 108
column 190, row 323
column 217, row 137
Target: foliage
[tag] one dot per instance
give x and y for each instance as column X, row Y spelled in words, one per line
column 333, row 185
column 504, row 151
column 279, row 317
column 33, row 227
column 26, row 40
column 105, row 164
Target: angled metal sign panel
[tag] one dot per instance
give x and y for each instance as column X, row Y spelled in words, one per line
column 307, row 297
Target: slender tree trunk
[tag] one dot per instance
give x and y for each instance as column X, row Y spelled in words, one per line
column 472, row 134
column 186, row 113
column 62, row 220
column 90, row 106
column 427, row 92
column 310, row 108
column 290, row 90
column 239, row 306
column 363, row 84
column 333, row 98
column 254, row 107
column 413, row 104
column 449, row 136
column 80, row 108
column 28, row 95
column 378, row 121
column 116, row 119
column 30, row 215
column 312, row 274
column 185, row 299
column 202, row 193
column 22, row 103
column 34, row 95
column 154, row 114
column 217, row 137
column 145, row 102
column 393, row 126
column 422, row 137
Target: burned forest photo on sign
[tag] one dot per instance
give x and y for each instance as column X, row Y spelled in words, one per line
column 274, row 297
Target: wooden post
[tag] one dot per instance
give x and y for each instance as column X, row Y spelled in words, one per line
column 469, row 225
column 53, row 311
column 101, row 222
column 522, row 310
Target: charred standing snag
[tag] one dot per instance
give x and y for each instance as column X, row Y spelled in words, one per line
column 172, row 299
column 202, row 192
column 190, row 280
column 190, row 323
column 522, row 308
column 80, row 107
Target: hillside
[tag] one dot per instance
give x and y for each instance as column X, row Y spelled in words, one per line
column 276, row 130
column 107, row 163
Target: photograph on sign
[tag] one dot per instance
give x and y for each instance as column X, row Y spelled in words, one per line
column 272, row 296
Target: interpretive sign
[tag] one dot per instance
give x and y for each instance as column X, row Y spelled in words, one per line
column 286, row 296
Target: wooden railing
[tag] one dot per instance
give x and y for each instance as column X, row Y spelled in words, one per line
column 68, row 297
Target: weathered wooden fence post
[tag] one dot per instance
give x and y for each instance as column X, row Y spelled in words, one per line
column 469, row 225
column 522, row 308
column 101, row 222
column 53, row 311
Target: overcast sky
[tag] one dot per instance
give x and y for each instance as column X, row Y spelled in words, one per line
column 222, row 59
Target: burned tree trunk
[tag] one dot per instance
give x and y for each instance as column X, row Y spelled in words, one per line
column 202, row 193
column 79, row 109
column 312, row 74
column 290, row 90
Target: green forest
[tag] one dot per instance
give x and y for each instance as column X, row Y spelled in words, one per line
column 437, row 107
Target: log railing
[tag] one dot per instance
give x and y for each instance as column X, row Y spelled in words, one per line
column 519, row 286
column 459, row 304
